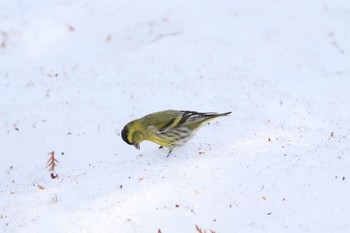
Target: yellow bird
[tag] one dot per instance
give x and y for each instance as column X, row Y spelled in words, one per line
column 170, row 128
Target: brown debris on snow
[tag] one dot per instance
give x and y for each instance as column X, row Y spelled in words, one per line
column 199, row 230
column 51, row 164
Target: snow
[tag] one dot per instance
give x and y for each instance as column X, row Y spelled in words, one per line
column 73, row 73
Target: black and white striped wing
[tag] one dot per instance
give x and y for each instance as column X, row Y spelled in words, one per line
column 189, row 116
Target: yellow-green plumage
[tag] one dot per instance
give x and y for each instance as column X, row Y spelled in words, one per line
column 168, row 128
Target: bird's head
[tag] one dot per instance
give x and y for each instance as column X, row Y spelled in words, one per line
column 131, row 135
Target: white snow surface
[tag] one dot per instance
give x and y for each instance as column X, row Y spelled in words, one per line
column 73, row 73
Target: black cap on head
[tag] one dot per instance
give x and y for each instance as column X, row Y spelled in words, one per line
column 125, row 133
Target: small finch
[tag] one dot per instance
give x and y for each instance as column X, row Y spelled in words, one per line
column 170, row 128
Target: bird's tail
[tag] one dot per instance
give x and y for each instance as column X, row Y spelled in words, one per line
column 214, row 114
column 224, row 114
column 200, row 117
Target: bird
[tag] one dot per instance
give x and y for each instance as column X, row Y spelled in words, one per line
column 169, row 128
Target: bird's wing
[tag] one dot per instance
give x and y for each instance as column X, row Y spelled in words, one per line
column 186, row 118
column 163, row 120
column 171, row 119
column 190, row 116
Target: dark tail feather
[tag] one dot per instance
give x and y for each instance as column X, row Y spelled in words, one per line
column 224, row 114
column 200, row 116
column 214, row 114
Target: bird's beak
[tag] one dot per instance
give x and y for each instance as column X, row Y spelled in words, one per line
column 137, row 145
